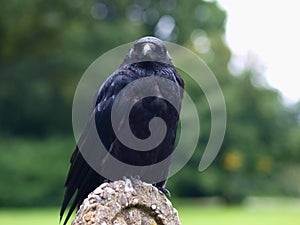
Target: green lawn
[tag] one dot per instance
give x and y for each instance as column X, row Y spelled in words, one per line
column 190, row 214
column 29, row 216
column 193, row 215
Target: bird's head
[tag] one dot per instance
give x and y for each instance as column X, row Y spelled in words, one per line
column 148, row 49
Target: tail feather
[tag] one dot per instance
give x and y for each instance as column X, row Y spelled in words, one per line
column 82, row 180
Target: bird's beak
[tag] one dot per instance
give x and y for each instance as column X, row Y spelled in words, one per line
column 147, row 50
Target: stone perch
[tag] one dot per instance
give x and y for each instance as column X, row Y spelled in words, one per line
column 126, row 202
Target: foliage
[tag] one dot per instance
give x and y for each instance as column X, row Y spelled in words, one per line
column 33, row 171
column 46, row 46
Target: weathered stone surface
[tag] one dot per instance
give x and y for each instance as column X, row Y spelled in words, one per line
column 126, row 202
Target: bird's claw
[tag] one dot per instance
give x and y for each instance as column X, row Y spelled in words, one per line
column 165, row 191
column 106, row 181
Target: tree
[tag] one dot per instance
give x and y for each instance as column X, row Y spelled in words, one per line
column 45, row 48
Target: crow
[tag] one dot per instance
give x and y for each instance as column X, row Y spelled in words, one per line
column 148, row 58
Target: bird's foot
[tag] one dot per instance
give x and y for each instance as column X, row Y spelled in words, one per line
column 125, row 178
column 106, row 181
column 165, row 191
column 136, row 180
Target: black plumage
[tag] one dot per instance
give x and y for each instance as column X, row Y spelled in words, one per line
column 147, row 58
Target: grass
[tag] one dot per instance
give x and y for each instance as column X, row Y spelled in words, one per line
column 40, row 216
column 194, row 215
column 190, row 214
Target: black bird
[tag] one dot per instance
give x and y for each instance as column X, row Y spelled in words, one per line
column 148, row 58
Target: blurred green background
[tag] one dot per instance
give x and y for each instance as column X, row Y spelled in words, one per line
column 45, row 48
